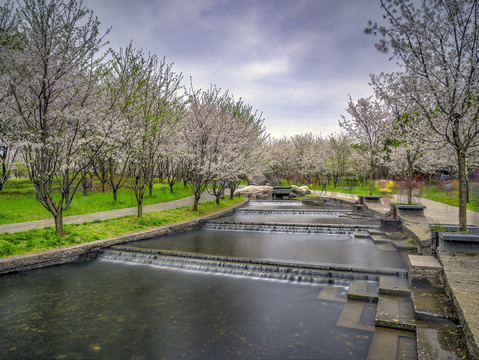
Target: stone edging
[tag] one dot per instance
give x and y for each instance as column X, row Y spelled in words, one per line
column 471, row 343
column 76, row 252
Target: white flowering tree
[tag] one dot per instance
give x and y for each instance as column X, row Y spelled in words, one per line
column 153, row 114
column 202, row 130
column 366, row 128
column 408, row 136
column 337, row 156
column 54, row 86
column 437, row 42
column 10, row 43
column 280, row 159
column 236, row 151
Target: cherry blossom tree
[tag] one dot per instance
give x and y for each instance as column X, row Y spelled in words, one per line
column 201, row 131
column 236, row 152
column 221, row 137
column 280, row 159
column 436, row 42
column 10, row 43
column 337, row 156
column 153, row 114
column 366, row 127
column 54, row 89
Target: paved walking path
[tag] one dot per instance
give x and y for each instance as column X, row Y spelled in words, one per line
column 102, row 215
column 435, row 212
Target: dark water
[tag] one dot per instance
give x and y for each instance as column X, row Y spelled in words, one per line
column 106, row 310
column 302, row 248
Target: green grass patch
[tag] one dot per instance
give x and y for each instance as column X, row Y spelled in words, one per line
column 43, row 239
column 358, row 190
column 15, row 207
column 434, row 192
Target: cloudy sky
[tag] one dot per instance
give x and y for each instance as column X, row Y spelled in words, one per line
column 294, row 60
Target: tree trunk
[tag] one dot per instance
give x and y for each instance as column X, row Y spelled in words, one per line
column 140, row 210
column 195, row 204
column 371, row 184
column 171, row 186
column 150, row 186
column 461, row 156
column 218, row 199
column 59, row 222
column 115, row 193
column 409, row 183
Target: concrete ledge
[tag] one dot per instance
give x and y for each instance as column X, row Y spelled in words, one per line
column 417, row 210
column 424, row 268
column 453, row 241
column 370, row 198
column 87, row 250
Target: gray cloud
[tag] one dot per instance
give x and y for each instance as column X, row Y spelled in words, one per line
column 294, row 60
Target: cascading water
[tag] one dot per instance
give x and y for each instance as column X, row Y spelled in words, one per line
column 273, row 270
column 275, row 212
column 360, row 230
column 275, row 203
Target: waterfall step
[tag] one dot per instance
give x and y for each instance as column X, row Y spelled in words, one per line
column 288, row 227
column 334, row 271
column 364, row 290
column 393, row 285
column 302, row 275
column 275, row 203
column 307, row 212
column 395, row 312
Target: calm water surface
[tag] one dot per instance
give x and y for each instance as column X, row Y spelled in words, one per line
column 107, row 310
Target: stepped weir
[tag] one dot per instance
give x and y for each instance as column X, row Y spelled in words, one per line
column 368, row 289
column 276, row 279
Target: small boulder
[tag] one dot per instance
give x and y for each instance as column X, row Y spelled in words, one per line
column 256, row 192
column 297, row 191
column 256, row 179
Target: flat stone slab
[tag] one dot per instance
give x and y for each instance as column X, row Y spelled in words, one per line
column 332, row 293
column 417, row 210
column 424, row 261
column 396, row 313
column 394, row 285
column 433, row 305
column 389, row 344
column 437, row 343
column 364, row 290
column 357, row 315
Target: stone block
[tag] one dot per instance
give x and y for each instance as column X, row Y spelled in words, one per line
column 424, row 268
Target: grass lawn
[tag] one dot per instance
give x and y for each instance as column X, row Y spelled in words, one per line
column 43, row 239
column 18, row 202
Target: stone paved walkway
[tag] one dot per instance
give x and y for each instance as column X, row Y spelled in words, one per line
column 103, row 215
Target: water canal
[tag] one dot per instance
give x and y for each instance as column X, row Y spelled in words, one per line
column 269, row 282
